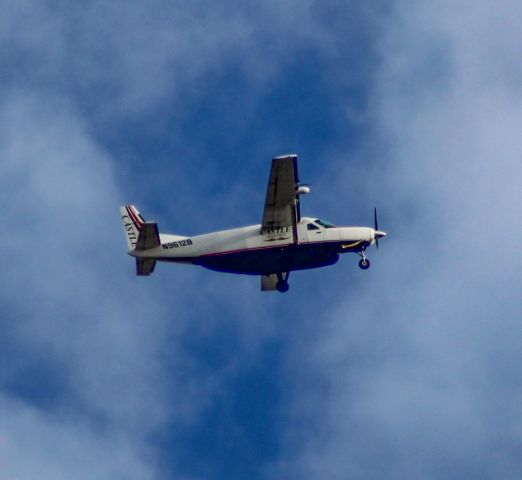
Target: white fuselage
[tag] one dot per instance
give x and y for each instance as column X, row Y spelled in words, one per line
column 248, row 250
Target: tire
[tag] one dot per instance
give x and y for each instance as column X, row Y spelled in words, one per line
column 282, row 286
column 364, row 264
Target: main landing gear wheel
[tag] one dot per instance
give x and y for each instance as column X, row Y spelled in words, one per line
column 364, row 263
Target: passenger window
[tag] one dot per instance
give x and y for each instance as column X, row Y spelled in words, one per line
column 311, row 226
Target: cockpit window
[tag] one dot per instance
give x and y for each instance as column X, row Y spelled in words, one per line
column 324, row 223
column 311, row 226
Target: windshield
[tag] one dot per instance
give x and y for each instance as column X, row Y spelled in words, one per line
column 324, row 223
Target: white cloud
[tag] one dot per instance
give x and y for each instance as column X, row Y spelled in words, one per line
column 36, row 445
column 132, row 58
column 77, row 312
column 408, row 360
column 415, row 374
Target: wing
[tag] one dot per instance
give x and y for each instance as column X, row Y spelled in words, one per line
column 281, row 203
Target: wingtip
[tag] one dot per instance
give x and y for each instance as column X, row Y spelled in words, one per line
column 288, row 155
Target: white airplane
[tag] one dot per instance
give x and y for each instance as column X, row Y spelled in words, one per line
column 284, row 241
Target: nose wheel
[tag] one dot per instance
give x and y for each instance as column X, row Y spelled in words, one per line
column 364, row 263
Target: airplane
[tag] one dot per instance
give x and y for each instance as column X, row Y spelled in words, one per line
column 283, row 242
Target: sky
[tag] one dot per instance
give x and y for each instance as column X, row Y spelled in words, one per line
column 409, row 369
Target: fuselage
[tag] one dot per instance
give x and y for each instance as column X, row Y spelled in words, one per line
column 249, row 250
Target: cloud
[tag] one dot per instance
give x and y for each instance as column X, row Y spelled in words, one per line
column 95, row 360
column 410, row 370
column 415, row 373
column 126, row 58
column 52, row 447
column 73, row 321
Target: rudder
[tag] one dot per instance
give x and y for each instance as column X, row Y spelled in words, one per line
column 132, row 224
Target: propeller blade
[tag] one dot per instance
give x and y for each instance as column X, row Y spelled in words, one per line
column 377, row 233
column 376, row 227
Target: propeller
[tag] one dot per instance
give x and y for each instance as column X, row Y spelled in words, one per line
column 378, row 233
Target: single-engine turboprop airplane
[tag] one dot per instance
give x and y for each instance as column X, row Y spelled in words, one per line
column 284, row 241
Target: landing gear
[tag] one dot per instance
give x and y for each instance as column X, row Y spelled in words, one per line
column 282, row 283
column 364, row 263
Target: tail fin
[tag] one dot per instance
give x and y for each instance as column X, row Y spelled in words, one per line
column 132, row 224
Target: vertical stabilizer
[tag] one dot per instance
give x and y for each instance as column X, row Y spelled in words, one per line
column 132, row 224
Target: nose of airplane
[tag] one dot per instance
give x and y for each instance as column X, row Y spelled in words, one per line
column 376, row 235
column 376, row 232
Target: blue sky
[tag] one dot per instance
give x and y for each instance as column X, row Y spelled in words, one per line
column 408, row 369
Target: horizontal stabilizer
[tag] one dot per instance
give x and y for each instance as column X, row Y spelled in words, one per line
column 145, row 266
column 148, row 236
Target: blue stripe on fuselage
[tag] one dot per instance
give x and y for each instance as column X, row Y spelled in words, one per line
column 275, row 259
